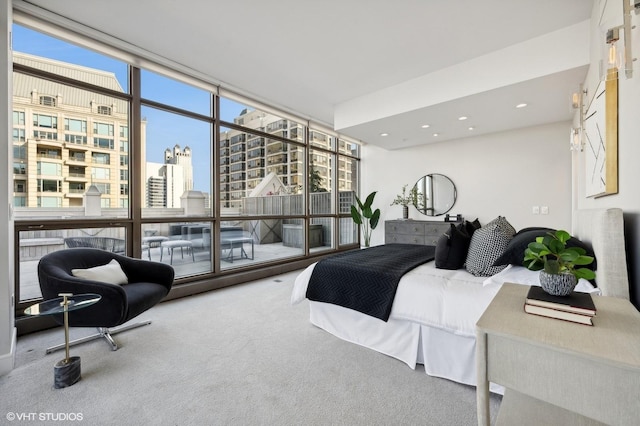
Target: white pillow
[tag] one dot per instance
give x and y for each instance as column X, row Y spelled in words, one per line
column 521, row 275
column 110, row 273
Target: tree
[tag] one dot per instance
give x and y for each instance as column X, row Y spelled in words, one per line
column 315, row 180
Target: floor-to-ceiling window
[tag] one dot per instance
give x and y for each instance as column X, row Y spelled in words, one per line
column 158, row 165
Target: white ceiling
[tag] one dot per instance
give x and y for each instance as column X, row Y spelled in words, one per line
column 368, row 66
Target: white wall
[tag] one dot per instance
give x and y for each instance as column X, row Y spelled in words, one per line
column 500, row 185
column 7, row 328
column 500, row 174
column 628, row 196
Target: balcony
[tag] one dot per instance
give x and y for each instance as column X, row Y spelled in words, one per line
column 76, row 145
column 76, row 160
column 78, row 195
column 76, row 177
column 254, row 143
column 49, row 155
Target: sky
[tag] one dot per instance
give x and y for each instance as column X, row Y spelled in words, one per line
column 164, row 130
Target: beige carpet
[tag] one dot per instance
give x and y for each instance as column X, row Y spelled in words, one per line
column 236, row 356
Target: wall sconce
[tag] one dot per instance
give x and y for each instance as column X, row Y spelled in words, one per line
column 576, row 139
column 614, row 57
column 618, row 57
column 575, row 100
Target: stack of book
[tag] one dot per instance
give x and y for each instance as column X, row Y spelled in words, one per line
column 576, row 307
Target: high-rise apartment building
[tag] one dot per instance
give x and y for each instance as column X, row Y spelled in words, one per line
column 181, row 158
column 246, row 158
column 65, row 138
column 165, row 183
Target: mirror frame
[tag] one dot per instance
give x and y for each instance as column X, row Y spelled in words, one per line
column 436, row 211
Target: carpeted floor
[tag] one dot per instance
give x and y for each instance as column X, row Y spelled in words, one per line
column 237, row 356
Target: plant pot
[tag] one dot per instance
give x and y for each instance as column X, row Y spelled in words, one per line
column 558, row 284
column 405, row 212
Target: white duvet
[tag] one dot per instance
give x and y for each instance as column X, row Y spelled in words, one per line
column 449, row 300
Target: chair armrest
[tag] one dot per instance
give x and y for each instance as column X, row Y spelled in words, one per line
column 138, row 270
column 112, row 305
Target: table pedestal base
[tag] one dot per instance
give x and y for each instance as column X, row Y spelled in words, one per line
column 66, row 373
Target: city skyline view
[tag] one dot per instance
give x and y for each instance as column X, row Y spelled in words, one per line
column 245, row 158
column 164, row 130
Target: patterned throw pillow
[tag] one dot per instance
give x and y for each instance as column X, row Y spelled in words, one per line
column 487, row 244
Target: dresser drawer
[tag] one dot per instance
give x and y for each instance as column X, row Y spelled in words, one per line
column 404, row 239
column 414, row 231
column 433, row 231
column 436, row 229
column 405, row 228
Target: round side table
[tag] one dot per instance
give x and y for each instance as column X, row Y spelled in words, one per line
column 67, row 371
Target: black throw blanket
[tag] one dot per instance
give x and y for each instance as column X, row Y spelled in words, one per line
column 366, row 280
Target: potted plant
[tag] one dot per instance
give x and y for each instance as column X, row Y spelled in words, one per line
column 559, row 265
column 405, row 199
column 364, row 215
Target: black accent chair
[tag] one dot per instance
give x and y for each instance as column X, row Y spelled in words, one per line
column 148, row 283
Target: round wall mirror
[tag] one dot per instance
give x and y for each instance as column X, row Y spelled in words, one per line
column 436, row 194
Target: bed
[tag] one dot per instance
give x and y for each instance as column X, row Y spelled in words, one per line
column 434, row 324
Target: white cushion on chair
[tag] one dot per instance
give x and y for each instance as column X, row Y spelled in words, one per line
column 110, row 273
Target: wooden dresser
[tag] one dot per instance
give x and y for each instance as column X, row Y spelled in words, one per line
column 423, row 232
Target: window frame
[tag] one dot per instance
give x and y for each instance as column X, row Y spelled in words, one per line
column 134, row 222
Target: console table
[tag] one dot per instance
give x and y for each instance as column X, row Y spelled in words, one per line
column 424, row 232
column 558, row 372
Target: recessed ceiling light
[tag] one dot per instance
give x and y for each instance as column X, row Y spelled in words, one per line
column 471, row 128
column 522, row 105
column 384, row 134
column 436, row 134
column 462, row 118
column 425, row 126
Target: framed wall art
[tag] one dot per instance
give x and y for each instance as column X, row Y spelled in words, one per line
column 601, row 139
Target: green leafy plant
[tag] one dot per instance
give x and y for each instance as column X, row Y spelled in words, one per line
column 405, row 199
column 551, row 254
column 364, row 215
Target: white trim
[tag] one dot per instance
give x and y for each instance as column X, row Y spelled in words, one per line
column 8, row 360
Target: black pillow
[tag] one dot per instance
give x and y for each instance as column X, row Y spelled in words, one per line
column 471, row 227
column 514, row 253
column 452, row 247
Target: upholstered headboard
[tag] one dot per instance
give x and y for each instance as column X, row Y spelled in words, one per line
column 604, row 230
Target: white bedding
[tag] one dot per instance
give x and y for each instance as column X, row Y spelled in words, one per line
column 432, row 320
column 451, row 300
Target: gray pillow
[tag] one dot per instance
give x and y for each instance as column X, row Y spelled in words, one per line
column 487, row 245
